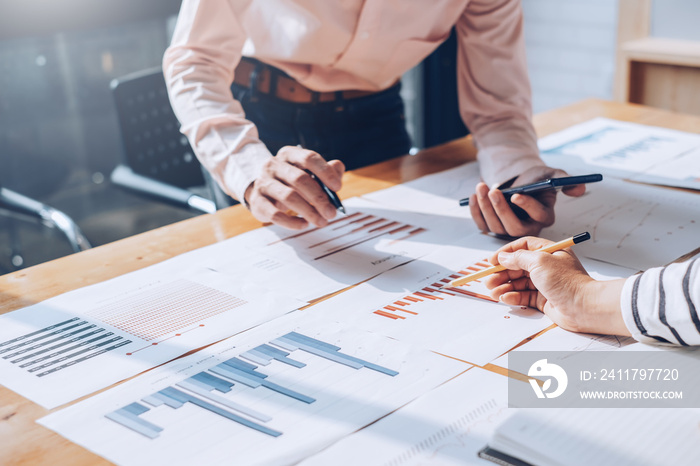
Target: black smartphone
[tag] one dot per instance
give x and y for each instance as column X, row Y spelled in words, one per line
column 550, row 183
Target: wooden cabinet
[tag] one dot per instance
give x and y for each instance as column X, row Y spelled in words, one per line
column 655, row 71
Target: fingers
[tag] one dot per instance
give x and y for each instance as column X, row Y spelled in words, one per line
column 492, row 213
column 522, row 259
column 310, row 160
column 575, row 191
column 510, row 221
column 520, row 292
column 538, row 211
column 297, row 190
column 497, row 279
column 475, row 212
column 521, row 298
column 338, row 166
column 266, row 210
column 530, row 243
column 285, row 185
column 489, row 215
column 297, row 195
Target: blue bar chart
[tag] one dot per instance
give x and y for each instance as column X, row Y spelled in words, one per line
column 610, row 146
column 273, row 394
column 59, row 346
column 205, row 389
column 617, row 148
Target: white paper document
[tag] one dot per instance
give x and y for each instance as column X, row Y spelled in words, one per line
column 631, row 225
column 558, row 339
column 314, row 262
column 273, row 395
column 414, row 304
column 79, row 342
column 682, row 171
column 616, row 148
column 436, row 193
column 447, row 426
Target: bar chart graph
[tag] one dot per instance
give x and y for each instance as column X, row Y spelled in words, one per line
column 619, row 148
column 404, row 308
column 57, row 350
column 349, row 231
column 415, row 304
column 59, row 346
column 370, row 239
column 198, row 388
column 273, row 394
column 614, row 147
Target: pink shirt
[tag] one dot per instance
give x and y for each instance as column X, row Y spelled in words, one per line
column 330, row 45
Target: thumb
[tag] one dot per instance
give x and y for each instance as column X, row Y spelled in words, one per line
column 575, row 190
column 522, row 259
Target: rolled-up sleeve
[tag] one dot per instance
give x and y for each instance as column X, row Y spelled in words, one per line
column 661, row 304
column 494, row 89
column 198, row 68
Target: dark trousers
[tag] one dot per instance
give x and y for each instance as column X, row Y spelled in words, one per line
column 359, row 131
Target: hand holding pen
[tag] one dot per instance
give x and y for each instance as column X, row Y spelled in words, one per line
column 493, row 212
column 285, row 186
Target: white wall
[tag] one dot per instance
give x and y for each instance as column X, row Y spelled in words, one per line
column 571, row 50
column 677, row 19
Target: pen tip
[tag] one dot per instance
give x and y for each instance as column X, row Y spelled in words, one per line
column 342, row 209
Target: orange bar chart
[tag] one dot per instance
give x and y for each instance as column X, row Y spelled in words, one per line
column 438, row 292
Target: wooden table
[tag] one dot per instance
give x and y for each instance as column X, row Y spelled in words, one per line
column 22, row 441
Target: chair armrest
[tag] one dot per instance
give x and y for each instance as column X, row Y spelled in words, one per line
column 49, row 216
column 126, row 178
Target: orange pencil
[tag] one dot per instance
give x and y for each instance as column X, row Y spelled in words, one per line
column 563, row 244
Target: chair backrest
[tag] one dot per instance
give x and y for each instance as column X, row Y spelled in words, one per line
column 153, row 144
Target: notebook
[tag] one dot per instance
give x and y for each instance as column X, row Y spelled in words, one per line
column 601, row 437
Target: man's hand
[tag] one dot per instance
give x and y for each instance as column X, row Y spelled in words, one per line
column 491, row 212
column 285, row 186
column 558, row 285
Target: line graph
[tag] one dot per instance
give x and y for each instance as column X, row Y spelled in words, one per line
column 633, row 225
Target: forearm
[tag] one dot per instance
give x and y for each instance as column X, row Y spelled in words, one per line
column 198, row 69
column 506, row 148
column 494, row 89
column 661, row 305
column 600, row 308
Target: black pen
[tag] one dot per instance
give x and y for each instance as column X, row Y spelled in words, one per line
column 551, row 183
column 333, row 197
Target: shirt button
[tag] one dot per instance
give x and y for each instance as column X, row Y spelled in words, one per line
column 364, row 35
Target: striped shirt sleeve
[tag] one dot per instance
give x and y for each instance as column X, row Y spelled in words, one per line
column 661, row 305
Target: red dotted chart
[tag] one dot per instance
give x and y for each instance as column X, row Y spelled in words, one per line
column 165, row 309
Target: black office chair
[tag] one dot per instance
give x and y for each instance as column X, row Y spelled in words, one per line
column 23, row 206
column 159, row 160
